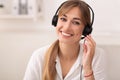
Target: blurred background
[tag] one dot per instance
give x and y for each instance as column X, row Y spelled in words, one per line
column 25, row 25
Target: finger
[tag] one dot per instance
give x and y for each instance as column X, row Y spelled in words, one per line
column 84, row 48
column 90, row 40
column 90, row 37
column 89, row 44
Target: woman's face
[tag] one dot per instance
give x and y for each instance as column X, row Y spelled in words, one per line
column 70, row 26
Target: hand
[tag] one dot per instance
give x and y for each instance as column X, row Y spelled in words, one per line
column 88, row 53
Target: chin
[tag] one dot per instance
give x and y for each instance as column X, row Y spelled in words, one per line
column 67, row 41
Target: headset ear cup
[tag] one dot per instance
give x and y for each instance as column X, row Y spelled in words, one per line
column 54, row 20
column 87, row 30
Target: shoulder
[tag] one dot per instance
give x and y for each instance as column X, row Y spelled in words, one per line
column 99, row 64
column 40, row 52
column 99, row 57
column 35, row 64
column 99, row 52
column 37, row 57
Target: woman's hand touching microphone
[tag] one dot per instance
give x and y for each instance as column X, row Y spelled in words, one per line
column 88, row 54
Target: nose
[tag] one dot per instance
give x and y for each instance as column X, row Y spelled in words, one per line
column 67, row 26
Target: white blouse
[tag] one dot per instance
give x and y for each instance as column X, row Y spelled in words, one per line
column 35, row 66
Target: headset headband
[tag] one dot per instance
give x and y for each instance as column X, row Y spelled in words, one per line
column 90, row 8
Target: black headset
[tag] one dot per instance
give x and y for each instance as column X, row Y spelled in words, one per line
column 88, row 28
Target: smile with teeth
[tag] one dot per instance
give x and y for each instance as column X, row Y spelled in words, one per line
column 66, row 34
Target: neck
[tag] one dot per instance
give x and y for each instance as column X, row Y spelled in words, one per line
column 69, row 51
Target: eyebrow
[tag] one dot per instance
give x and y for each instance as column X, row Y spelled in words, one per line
column 73, row 18
column 77, row 19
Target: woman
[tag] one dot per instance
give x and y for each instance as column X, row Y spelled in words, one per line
column 67, row 58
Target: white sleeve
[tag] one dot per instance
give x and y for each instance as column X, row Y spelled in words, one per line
column 35, row 65
column 34, row 68
column 99, row 65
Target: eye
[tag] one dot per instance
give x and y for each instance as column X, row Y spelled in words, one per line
column 76, row 22
column 63, row 19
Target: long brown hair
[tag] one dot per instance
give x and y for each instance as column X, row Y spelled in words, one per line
column 49, row 70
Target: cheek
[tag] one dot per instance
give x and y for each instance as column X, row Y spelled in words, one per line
column 57, row 29
column 79, row 31
column 78, row 35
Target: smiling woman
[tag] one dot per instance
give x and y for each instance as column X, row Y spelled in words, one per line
column 67, row 58
column 70, row 26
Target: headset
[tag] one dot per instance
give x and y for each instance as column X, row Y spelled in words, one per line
column 88, row 28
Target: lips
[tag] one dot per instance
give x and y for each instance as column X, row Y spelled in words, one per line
column 66, row 34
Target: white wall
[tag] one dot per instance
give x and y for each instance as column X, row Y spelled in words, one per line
column 19, row 38
column 106, row 16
